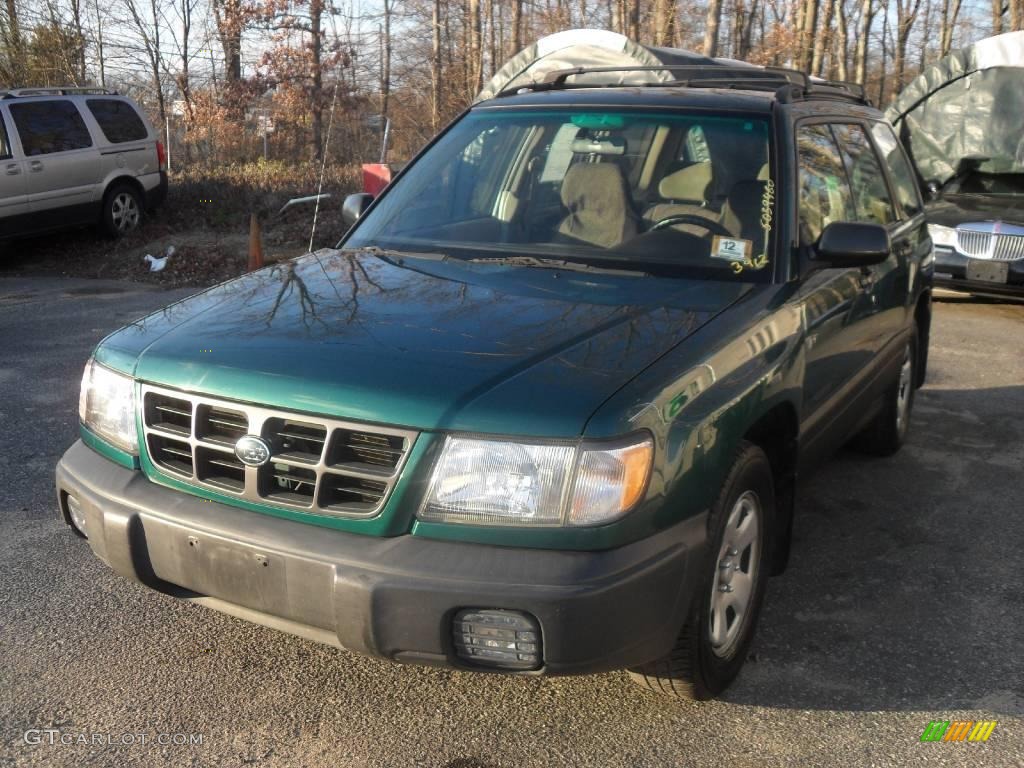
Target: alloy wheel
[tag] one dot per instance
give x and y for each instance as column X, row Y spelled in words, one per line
column 732, row 589
column 124, row 212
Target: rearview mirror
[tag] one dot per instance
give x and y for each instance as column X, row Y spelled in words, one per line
column 354, row 207
column 847, row 244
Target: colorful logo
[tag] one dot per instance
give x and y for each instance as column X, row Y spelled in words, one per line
column 958, row 730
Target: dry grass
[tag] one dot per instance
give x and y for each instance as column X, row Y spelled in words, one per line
column 206, row 219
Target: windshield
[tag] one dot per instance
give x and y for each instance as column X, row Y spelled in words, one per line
column 658, row 191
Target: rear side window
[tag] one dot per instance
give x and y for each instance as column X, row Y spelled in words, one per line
column 824, row 191
column 907, row 194
column 118, row 120
column 867, row 180
column 50, row 126
column 5, row 144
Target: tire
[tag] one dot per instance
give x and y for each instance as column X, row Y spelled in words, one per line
column 708, row 653
column 122, row 210
column 887, row 432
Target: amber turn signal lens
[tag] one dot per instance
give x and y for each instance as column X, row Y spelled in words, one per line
column 610, row 482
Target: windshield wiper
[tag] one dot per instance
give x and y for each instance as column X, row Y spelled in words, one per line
column 569, row 266
column 375, row 250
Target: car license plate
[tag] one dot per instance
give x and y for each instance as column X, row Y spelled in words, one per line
column 988, row 271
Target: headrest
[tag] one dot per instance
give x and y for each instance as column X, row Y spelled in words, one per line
column 599, row 181
column 690, row 183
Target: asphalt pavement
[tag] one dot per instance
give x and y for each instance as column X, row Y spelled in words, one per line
column 903, row 604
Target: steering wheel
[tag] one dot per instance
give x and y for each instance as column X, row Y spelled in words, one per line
column 690, row 218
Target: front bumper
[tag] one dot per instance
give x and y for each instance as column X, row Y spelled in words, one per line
column 951, row 273
column 388, row 597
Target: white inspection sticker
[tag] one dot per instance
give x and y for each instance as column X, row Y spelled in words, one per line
column 731, row 248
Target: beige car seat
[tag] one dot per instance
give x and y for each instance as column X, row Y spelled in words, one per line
column 600, row 212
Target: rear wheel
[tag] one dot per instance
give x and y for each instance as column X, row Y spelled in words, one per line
column 887, row 432
column 122, row 210
column 713, row 643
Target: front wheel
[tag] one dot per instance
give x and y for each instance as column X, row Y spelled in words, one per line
column 122, row 210
column 714, row 642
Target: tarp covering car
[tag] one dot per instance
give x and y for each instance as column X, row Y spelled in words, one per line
column 591, row 48
column 967, row 106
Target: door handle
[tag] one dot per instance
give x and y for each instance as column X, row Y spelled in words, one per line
column 35, row 166
column 13, row 169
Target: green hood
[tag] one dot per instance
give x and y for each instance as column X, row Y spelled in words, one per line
column 419, row 343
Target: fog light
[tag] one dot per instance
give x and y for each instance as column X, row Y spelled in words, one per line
column 77, row 515
column 495, row 638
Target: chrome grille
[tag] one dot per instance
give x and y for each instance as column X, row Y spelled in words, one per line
column 990, row 245
column 320, row 465
column 1009, row 247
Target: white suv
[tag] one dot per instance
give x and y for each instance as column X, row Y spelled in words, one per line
column 76, row 156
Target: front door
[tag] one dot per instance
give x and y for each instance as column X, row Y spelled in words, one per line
column 13, row 189
column 836, row 303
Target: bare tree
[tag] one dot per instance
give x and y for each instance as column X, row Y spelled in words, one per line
column 385, row 60
column 822, row 42
column 316, row 12
column 146, row 22
column 808, row 32
column 475, row 65
column 950, row 12
column 517, row 26
column 435, row 67
column 714, row 20
column 906, row 15
column 230, row 18
column 663, row 22
column 860, row 61
column 840, row 43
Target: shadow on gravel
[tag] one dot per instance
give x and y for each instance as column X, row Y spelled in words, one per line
column 904, row 590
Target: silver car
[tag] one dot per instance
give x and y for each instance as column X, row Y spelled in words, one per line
column 76, row 156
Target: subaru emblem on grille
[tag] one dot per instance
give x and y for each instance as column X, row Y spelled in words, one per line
column 252, row 451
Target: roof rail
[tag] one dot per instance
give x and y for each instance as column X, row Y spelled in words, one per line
column 789, row 84
column 63, row 90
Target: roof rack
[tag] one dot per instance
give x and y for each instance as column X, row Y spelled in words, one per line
column 789, row 84
column 63, row 90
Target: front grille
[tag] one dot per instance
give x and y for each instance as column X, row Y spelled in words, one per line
column 320, row 465
column 989, row 245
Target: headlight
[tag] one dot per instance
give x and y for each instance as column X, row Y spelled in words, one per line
column 106, row 406
column 500, row 482
column 944, row 237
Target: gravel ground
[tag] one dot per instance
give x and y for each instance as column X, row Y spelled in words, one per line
column 902, row 604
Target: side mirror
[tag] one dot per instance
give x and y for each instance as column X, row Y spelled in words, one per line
column 847, row 244
column 354, row 207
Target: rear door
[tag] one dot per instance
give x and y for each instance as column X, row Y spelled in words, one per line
column 910, row 232
column 61, row 159
column 13, row 189
column 129, row 147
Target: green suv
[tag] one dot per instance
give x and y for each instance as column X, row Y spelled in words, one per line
column 544, row 409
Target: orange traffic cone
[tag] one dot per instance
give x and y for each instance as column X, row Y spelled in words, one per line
column 255, row 244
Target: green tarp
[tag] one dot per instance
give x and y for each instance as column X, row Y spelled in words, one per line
column 593, row 48
column 969, row 104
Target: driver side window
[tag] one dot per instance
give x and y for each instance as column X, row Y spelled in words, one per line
column 824, row 192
